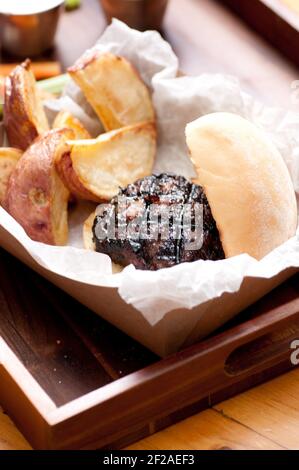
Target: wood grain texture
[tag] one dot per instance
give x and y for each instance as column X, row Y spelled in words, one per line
column 50, row 350
column 207, row 431
column 10, row 437
column 266, row 417
column 63, row 345
column 272, row 410
column 207, row 38
column 149, row 398
column 292, row 4
column 273, row 20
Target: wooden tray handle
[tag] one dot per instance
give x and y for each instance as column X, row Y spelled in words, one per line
column 260, row 344
column 268, row 347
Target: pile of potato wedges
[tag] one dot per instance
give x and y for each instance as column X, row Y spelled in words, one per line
column 44, row 168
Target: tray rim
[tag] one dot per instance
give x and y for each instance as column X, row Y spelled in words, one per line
column 273, row 20
column 54, row 417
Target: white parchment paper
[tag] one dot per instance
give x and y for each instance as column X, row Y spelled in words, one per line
column 177, row 101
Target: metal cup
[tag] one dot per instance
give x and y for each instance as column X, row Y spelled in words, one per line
column 138, row 14
column 28, row 35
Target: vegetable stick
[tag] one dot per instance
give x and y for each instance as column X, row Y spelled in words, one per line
column 41, row 70
column 54, row 85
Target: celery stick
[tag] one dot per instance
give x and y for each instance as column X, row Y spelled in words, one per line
column 54, row 85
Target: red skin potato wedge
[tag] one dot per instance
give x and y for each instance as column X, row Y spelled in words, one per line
column 36, row 197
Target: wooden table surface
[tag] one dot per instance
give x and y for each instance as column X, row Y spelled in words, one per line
column 207, row 38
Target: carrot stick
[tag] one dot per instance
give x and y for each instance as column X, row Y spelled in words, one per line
column 54, row 85
column 41, row 70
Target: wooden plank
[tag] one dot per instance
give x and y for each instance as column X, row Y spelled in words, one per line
column 67, row 348
column 272, row 410
column 119, row 357
column 38, row 335
column 159, row 392
column 207, row 431
column 10, row 437
column 208, row 38
column 273, row 20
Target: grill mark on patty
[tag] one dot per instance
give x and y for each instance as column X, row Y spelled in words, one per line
column 165, row 190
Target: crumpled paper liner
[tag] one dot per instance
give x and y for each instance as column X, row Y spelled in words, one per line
column 172, row 307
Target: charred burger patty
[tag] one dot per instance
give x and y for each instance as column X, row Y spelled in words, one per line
column 157, row 222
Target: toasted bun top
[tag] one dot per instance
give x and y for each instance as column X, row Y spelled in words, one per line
column 246, row 181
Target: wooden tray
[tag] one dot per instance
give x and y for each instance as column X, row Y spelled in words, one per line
column 70, row 380
column 272, row 19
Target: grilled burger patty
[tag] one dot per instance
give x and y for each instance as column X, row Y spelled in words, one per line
column 155, row 223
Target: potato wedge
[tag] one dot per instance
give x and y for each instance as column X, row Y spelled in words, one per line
column 36, row 196
column 114, row 89
column 89, row 243
column 95, row 169
column 66, row 119
column 24, row 116
column 9, row 157
column 45, row 95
